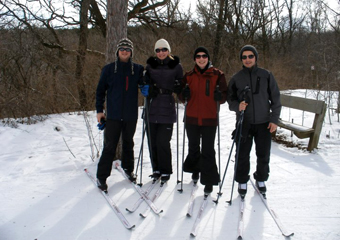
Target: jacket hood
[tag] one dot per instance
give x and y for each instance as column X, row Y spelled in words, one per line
column 172, row 63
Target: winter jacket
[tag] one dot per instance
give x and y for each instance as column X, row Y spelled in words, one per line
column 120, row 90
column 162, row 75
column 263, row 97
column 201, row 107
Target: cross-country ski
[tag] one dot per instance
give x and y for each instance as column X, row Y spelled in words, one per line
column 283, row 230
column 112, row 204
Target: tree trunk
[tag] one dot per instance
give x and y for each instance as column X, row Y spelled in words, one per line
column 83, row 34
column 117, row 12
column 219, row 30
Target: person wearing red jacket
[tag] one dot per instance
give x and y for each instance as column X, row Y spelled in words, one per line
column 205, row 88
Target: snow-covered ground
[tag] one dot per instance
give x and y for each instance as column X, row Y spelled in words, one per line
column 45, row 194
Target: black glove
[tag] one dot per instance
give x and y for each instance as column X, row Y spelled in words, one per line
column 217, row 95
column 177, row 87
column 153, row 91
column 186, row 93
column 245, row 95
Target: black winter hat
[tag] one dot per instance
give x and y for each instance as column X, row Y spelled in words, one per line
column 202, row 49
column 249, row 48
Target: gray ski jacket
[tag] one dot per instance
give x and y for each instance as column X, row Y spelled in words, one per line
column 258, row 87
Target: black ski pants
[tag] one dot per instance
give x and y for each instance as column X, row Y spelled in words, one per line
column 203, row 159
column 161, row 134
column 113, row 130
column 259, row 133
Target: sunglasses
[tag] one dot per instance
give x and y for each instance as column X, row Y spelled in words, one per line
column 125, row 49
column 204, row 56
column 161, row 50
column 244, row 57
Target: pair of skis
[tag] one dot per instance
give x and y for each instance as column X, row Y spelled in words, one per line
column 283, row 230
column 143, row 197
column 142, row 194
column 153, row 199
column 190, row 210
column 112, row 204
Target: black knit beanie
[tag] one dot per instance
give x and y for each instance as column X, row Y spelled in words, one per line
column 202, row 49
column 249, row 48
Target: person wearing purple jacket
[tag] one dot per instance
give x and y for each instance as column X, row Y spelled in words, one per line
column 162, row 72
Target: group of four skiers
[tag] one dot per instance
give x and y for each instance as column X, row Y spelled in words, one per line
column 252, row 93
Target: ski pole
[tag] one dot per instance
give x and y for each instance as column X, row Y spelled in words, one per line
column 218, row 137
column 226, row 168
column 184, row 125
column 178, row 181
column 185, row 112
column 148, row 130
column 140, row 157
column 237, row 154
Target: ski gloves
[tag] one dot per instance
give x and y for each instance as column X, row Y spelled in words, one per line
column 186, row 92
column 144, row 90
column 177, row 87
column 217, row 95
column 102, row 124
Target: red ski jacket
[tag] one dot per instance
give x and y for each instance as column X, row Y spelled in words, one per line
column 201, row 107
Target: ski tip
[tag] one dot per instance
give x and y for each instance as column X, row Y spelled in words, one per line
column 159, row 212
column 142, row 215
column 132, row 227
column 288, row 235
column 193, row 234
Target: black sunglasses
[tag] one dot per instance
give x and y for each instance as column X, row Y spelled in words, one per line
column 125, row 49
column 249, row 56
column 204, row 56
column 162, row 49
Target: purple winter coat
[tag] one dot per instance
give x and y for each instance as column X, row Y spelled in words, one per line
column 162, row 75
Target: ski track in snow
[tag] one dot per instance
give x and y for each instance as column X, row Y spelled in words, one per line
column 45, row 193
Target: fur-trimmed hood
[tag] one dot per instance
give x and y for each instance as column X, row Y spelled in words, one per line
column 172, row 63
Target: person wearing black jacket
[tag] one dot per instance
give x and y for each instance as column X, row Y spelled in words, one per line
column 254, row 92
column 118, row 86
column 162, row 72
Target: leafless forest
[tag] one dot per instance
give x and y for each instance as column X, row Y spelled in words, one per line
column 52, row 52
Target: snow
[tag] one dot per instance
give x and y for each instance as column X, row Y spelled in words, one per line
column 45, row 193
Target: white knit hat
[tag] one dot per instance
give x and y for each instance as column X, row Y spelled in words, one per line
column 162, row 43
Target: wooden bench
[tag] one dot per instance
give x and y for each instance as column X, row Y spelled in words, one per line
column 314, row 106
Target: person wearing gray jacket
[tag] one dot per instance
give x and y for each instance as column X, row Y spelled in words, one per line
column 254, row 92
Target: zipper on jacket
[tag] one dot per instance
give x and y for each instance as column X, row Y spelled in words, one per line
column 252, row 96
column 127, row 83
column 207, row 87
